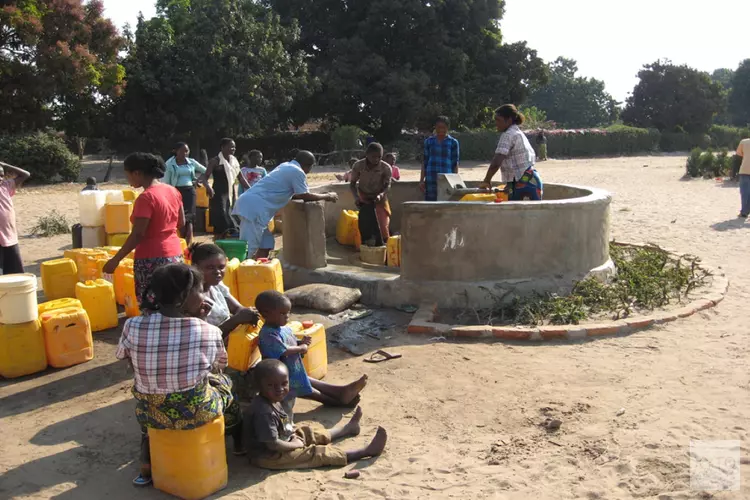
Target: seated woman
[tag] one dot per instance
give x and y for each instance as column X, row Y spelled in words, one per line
column 177, row 359
column 226, row 312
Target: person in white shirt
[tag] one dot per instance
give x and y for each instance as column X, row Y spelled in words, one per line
column 744, row 175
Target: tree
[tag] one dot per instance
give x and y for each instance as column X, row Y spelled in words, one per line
column 385, row 65
column 673, row 98
column 739, row 97
column 54, row 57
column 574, row 101
column 201, row 69
column 724, row 76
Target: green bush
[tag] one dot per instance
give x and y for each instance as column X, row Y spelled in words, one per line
column 52, row 224
column 681, row 141
column 44, row 155
column 723, row 136
column 348, row 137
column 693, row 166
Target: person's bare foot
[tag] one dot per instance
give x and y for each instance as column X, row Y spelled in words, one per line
column 352, row 427
column 352, row 390
column 377, row 445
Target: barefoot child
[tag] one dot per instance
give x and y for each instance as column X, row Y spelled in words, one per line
column 273, row 442
column 277, row 341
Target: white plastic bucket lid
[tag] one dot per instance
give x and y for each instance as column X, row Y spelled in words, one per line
column 10, row 282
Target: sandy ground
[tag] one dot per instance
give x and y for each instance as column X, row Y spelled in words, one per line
column 463, row 416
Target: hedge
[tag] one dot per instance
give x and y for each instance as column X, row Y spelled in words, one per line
column 44, row 155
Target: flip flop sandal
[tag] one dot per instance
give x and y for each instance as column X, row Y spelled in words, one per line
column 380, row 356
column 239, row 453
column 361, row 314
column 407, row 309
column 141, row 481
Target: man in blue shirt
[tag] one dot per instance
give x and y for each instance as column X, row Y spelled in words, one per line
column 441, row 156
column 257, row 206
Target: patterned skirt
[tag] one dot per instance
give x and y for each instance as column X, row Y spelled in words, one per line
column 190, row 409
column 143, row 269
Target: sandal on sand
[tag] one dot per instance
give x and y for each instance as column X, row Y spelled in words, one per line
column 380, row 356
column 141, row 481
column 239, row 453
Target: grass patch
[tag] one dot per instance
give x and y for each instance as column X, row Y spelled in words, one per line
column 647, row 278
column 52, row 224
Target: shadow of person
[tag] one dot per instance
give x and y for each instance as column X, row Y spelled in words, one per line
column 730, row 225
column 102, row 461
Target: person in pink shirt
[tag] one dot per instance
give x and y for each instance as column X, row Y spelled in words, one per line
column 390, row 159
column 10, row 254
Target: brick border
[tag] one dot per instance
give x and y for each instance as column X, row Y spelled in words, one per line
column 424, row 321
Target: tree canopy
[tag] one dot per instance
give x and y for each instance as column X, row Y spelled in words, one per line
column 58, row 64
column 739, row 97
column 673, row 98
column 385, row 65
column 203, row 68
column 574, row 101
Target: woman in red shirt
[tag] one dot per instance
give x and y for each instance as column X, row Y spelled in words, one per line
column 157, row 215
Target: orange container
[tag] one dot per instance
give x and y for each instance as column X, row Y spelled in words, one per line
column 117, row 217
column 22, row 349
column 230, row 277
column 98, row 299
column 132, row 308
column 201, row 197
column 53, row 305
column 256, row 277
column 316, row 359
column 67, row 337
column 243, row 351
column 209, row 227
column 189, row 464
column 125, row 267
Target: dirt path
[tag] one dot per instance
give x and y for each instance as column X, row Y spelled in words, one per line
column 463, row 416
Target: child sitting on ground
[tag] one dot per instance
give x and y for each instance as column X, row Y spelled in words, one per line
column 277, row 341
column 272, row 441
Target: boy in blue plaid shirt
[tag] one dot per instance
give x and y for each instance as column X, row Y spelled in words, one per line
column 441, row 155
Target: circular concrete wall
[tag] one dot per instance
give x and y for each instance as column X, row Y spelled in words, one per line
column 563, row 237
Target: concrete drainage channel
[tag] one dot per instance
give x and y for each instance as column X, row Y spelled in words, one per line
column 425, row 321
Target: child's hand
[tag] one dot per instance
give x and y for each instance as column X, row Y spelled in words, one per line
column 306, row 340
column 297, row 443
column 303, row 348
column 248, row 316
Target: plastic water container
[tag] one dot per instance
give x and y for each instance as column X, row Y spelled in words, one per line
column 347, row 227
column 59, row 278
column 272, row 226
column 125, row 267
column 113, row 196
column 189, row 464
column 22, row 349
column 67, row 337
column 76, row 232
column 231, row 277
column 256, row 277
column 393, row 251
column 480, row 197
column 18, row 302
column 117, row 217
column 129, row 194
column 117, row 240
column 94, row 236
column 132, row 307
column 200, row 220
column 53, row 305
column 209, row 227
column 81, row 256
column 111, row 251
column 316, row 359
column 501, row 197
column 91, row 208
column 373, row 255
column 243, row 351
column 201, row 197
column 98, row 299
column 235, row 249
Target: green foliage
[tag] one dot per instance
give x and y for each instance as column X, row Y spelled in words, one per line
column 739, row 97
column 693, row 166
column 723, row 136
column 54, row 54
column 45, row 156
column 707, row 164
column 673, row 98
column 52, row 224
column 393, row 64
column 203, row 68
column 682, row 141
column 348, row 137
column 647, row 278
column 535, row 119
column 573, row 101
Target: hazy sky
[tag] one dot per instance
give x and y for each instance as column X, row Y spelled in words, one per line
column 610, row 39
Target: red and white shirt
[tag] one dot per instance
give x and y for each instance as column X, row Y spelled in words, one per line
column 171, row 354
